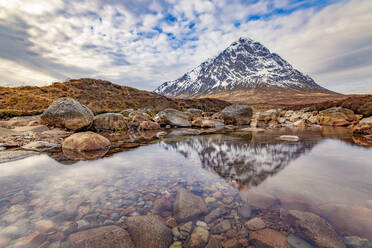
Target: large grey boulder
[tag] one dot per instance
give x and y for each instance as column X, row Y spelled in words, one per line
column 149, row 231
column 188, row 205
column 67, row 113
column 237, row 114
column 173, row 117
column 106, row 236
column 110, row 121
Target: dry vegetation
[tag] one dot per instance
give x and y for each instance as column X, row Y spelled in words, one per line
column 275, row 97
column 100, row 96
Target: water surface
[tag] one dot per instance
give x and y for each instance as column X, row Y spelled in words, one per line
column 323, row 173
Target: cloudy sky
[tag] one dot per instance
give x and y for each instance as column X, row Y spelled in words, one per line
column 142, row 43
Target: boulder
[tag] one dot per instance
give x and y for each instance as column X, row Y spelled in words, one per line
column 110, row 122
column 237, row 114
column 106, row 236
column 139, row 116
column 86, row 141
column 67, row 113
column 313, row 228
column 173, row 117
column 364, row 126
column 336, row 116
column 195, row 112
column 149, row 125
column 149, row 231
column 268, row 115
column 188, row 205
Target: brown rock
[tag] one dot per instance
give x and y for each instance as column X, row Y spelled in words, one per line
column 162, row 204
column 188, row 205
column 110, row 121
column 312, row 227
column 213, row 243
column 171, row 222
column 231, row 243
column 149, row 231
column 268, row 238
column 149, row 125
column 255, row 224
column 101, row 237
column 86, row 141
column 364, row 126
column 336, row 116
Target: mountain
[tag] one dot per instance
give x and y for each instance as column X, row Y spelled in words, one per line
column 100, row 96
column 244, row 66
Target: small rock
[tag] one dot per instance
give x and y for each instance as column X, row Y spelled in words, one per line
column 357, row 242
column 188, row 205
column 106, row 236
column 221, row 227
column 149, row 231
column 268, row 238
column 209, row 200
column 213, row 243
column 295, row 241
column 289, row 138
column 255, row 224
column 231, row 243
column 39, row 146
column 176, row 244
column 216, row 213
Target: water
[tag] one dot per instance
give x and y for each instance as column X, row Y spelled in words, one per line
column 323, row 173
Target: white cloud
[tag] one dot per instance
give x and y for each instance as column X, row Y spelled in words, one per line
column 118, row 43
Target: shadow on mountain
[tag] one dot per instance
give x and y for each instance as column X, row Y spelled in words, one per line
column 241, row 160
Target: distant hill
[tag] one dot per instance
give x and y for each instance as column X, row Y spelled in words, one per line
column 248, row 72
column 100, row 96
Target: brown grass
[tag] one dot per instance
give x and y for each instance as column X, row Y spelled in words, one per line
column 100, row 96
column 275, row 97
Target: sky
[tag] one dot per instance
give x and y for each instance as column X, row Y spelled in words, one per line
column 143, row 43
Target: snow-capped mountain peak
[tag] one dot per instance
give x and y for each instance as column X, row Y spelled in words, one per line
column 245, row 64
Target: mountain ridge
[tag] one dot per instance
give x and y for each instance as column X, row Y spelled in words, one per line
column 244, row 65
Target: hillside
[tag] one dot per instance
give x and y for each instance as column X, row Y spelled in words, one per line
column 248, row 72
column 100, row 96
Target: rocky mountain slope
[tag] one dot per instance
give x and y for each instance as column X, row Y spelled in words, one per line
column 100, row 96
column 244, row 67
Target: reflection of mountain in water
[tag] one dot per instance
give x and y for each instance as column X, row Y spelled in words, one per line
column 237, row 160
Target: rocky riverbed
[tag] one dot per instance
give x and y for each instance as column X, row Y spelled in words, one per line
column 237, row 178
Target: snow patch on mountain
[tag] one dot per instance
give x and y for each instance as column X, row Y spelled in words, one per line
column 245, row 64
